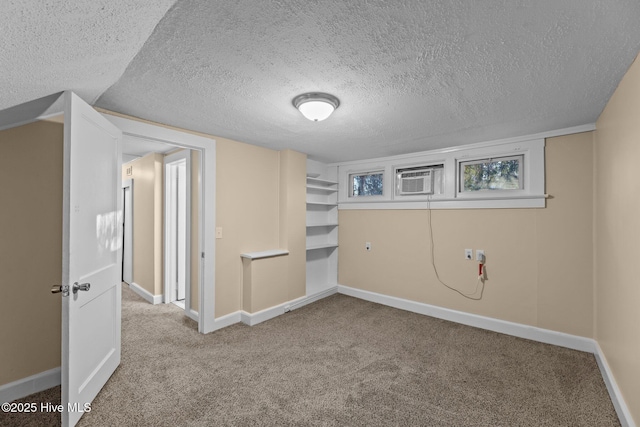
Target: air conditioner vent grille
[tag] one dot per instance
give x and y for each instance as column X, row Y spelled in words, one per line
column 412, row 185
column 415, row 182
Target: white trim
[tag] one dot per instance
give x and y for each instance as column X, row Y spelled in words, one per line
column 502, row 326
column 29, row 385
column 206, row 254
column 542, row 135
column 128, row 255
column 252, row 319
column 148, row 296
column 509, row 328
column 227, row 320
column 531, row 195
column 313, row 298
column 518, row 202
column 192, row 314
column 614, row 392
column 168, row 218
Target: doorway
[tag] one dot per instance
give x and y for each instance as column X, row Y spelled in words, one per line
column 177, row 218
column 163, row 218
column 204, row 167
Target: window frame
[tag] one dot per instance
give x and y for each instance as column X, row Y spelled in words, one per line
column 368, row 173
column 460, row 175
column 532, row 195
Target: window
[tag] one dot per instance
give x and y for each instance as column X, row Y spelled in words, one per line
column 503, row 175
column 366, row 184
column 500, row 173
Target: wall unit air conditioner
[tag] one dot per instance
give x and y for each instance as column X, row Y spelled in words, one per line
column 411, row 182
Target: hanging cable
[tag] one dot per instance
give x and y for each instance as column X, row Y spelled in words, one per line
column 480, row 281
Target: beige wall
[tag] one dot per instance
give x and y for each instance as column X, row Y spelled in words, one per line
column 292, row 220
column 147, row 221
column 247, row 209
column 265, row 283
column 617, row 248
column 539, row 261
column 260, row 204
column 30, row 249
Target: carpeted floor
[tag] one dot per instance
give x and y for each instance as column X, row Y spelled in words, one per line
column 338, row 362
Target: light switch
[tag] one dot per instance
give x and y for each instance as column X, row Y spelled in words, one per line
column 218, row 232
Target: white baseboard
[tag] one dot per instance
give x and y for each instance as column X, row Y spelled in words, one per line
column 301, row 302
column 29, row 385
column 192, row 314
column 252, row 319
column 51, row 378
column 226, row 320
column 153, row 299
column 509, row 328
column 614, row 392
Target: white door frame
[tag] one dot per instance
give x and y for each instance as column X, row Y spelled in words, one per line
column 207, row 243
column 127, row 255
column 169, row 220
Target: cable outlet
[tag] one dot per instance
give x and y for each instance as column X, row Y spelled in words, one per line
column 367, row 246
column 479, row 255
column 468, row 254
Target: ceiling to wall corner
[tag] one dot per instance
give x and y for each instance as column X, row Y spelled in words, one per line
column 411, row 75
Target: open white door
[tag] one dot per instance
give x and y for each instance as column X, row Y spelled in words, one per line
column 91, row 255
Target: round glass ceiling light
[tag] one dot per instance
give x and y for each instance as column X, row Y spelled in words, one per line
column 316, row 106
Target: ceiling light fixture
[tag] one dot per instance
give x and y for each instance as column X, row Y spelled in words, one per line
column 316, row 106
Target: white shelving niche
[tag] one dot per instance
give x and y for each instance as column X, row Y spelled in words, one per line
column 322, row 227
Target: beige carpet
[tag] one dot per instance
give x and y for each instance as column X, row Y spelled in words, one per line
column 338, row 362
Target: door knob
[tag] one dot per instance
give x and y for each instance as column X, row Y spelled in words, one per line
column 83, row 287
column 60, row 288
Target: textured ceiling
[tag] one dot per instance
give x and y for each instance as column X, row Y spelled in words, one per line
column 49, row 46
column 411, row 75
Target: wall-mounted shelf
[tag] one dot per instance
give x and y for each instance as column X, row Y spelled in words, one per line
column 265, row 254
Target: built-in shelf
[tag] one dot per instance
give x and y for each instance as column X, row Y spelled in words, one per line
column 322, row 203
column 322, row 228
column 322, row 246
column 265, row 254
column 322, row 189
column 326, row 224
column 321, row 181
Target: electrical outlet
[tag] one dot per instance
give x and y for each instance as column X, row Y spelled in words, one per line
column 468, row 254
column 367, row 246
column 480, row 255
column 218, row 232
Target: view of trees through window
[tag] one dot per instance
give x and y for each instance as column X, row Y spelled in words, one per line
column 367, row 184
column 503, row 173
